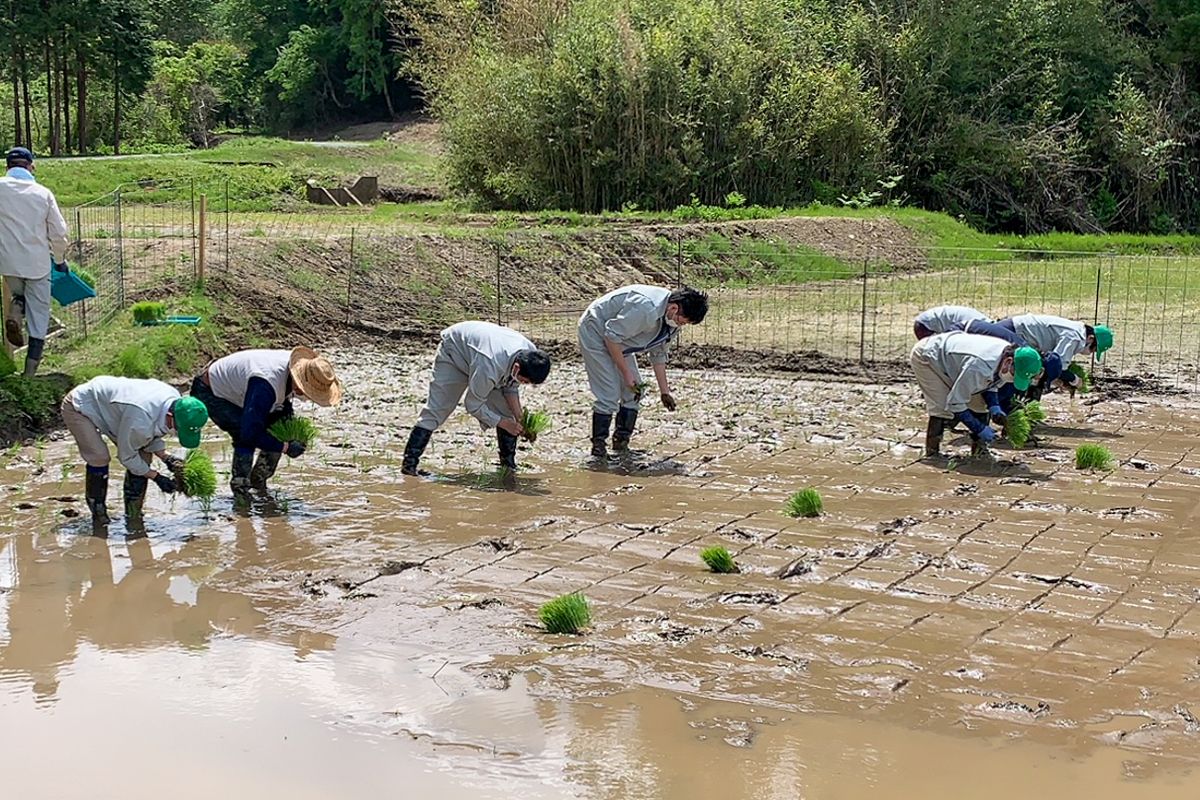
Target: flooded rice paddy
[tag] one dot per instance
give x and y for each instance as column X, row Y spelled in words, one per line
column 964, row 629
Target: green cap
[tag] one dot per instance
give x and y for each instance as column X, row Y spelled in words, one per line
column 1104, row 339
column 1027, row 363
column 190, row 416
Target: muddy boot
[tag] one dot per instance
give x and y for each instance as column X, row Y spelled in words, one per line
column 600, row 425
column 508, row 450
column 95, row 490
column 979, row 448
column 239, row 478
column 263, row 470
column 933, row 436
column 33, row 356
column 134, row 493
column 14, row 321
column 626, row 419
column 418, row 440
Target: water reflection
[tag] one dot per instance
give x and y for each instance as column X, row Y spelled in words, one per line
column 128, row 595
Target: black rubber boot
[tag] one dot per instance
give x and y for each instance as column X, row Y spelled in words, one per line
column 239, row 477
column 626, row 420
column 600, row 426
column 263, row 470
column 95, row 490
column 134, row 492
column 33, row 356
column 508, row 449
column 418, row 440
column 933, row 436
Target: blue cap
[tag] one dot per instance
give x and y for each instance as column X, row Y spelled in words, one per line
column 18, row 155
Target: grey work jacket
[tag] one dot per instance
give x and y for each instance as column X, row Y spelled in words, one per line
column 635, row 318
column 130, row 412
column 485, row 352
column 1051, row 334
column 944, row 319
column 968, row 362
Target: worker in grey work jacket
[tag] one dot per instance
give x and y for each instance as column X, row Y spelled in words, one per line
column 1066, row 337
column 613, row 330
column 487, row 363
column 944, row 319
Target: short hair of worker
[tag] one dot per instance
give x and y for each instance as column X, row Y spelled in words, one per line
column 534, row 364
column 692, row 304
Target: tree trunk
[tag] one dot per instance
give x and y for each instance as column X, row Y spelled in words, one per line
column 117, row 101
column 25, row 99
column 66, row 101
column 18, row 140
column 51, row 99
column 81, row 101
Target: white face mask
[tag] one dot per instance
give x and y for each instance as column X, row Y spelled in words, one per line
column 1007, row 377
column 671, row 323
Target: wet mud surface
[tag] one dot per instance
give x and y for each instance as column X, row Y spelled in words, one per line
column 960, row 628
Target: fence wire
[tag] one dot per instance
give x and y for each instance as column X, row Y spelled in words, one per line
column 766, row 294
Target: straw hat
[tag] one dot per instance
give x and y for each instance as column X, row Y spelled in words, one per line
column 314, row 377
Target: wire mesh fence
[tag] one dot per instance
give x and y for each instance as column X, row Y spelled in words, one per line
column 766, row 294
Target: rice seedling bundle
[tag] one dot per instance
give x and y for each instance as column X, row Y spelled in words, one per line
column 804, row 503
column 148, row 312
column 1093, row 456
column 294, row 429
column 535, row 422
column 1085, row 380
column 199, row 476
column 568, row 613
column 85, row 276
column 719, row 560
column 1035, row 412
column 639, row 390
column 1018, row 427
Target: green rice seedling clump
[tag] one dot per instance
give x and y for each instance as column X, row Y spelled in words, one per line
column 85, row 276
column 804, row 503
column 535, row 422
column 719, row 560
column 294, row 429
column 1093, row 456
column 1085, row 380
column 1018, row 427
column 148, row 312
column 1035, row 412
column 199, row 476
column 639, row 390
column 568, row 613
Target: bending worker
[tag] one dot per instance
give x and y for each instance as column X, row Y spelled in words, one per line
column 1065, row 337
column 612, row 331
column 944, row 319
column 33, row 236
column 488, row 363
column 954, row 370
column 247, row 392
column 135, row 415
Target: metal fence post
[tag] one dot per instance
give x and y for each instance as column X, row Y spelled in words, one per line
column 227, row 226
column 862, row 321
column 678, row 259
column 194, row 243
column 499, row 300
column 1099, row 272
column 120, row 236
column 350, row 277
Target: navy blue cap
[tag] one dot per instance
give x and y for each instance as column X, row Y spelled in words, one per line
column 18, row 155
column 1053, row 366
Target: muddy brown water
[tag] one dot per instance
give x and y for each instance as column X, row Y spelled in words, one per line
column 969, row 629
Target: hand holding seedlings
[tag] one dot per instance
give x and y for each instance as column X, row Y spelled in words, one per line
column 510, row 425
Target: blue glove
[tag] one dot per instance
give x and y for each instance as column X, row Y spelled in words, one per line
column 987, row 435
column 998, row 415
column 62, row 267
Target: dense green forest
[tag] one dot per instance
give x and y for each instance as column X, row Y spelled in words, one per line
column 1019, row 115
column 96, row 76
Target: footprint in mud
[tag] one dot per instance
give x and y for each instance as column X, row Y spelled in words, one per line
column 1016, row 708
column 751, row 598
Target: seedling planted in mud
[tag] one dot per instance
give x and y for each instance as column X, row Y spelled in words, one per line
column 719, row 560
column 568, row 613
column 1093, row 456
column 804, row 503
column 149, row 312
column 535, row 423
column 1017, row 427
column 294, row 429
column 199, row 477
column 1085, row 380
